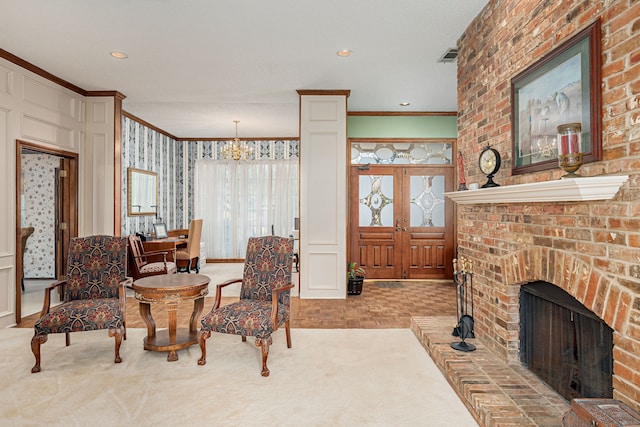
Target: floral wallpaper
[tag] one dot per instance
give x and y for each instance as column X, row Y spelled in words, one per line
column 38, row 211
column 174, row 161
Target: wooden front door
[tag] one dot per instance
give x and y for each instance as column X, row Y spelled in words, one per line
column 428, row 240
column 401, row 225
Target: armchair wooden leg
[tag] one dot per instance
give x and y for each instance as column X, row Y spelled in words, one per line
column 244, row 338
column 264, row 344
column 67, row 339
column 288, row 331
column 36, row 341
column 202, row 338
column 117, row 333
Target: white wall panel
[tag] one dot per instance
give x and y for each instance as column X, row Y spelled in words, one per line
column 324, row 267
column 100, row 112
column 323, row 187
column 323, row 206
column 7, row 292
column 7, row 217
column 101, row 180
column 49, row 96
column 50, row 133
column 321, row 111
column 97, row 173
column 6, row 78
column 7, row 189
column 32, row 109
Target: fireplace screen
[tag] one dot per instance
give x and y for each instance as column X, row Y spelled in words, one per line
column 564, row 343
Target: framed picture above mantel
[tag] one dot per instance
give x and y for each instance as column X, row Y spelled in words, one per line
column 562, row 87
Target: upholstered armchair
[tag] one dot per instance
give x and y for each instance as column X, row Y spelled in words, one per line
column 150, row 263
column 189, row 257
column 94, row 296
column 264, row 298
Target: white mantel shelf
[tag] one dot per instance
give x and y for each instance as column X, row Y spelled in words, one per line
column 602, row 187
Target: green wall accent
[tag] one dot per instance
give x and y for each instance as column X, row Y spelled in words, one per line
column 402, row 126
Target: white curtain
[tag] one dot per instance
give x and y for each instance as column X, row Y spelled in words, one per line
column 238, row 200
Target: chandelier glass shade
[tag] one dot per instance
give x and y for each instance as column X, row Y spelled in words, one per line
column 236, row 149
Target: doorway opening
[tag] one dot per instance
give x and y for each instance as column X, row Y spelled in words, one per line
column 401, row 224
column 46, row 219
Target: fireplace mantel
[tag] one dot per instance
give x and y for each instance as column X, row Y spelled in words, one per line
column 602, row 187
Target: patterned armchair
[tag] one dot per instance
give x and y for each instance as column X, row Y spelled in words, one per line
column 94, row 296
column 264, row 298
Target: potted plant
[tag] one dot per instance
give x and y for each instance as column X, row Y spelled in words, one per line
column 355, row 276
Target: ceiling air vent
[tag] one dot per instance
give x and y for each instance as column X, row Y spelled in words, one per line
column 449, row 55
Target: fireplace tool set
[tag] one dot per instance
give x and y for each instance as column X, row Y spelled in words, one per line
column 463, row 278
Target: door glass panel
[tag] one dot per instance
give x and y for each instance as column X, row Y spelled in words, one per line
column 376, row 200
column 427, row 201
column 402, row 153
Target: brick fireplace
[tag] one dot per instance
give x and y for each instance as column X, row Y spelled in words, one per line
column 499, row 277
column 588, row 248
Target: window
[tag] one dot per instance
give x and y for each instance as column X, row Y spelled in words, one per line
column 238, row 200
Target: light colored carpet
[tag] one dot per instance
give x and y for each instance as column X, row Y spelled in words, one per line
column 337, row 377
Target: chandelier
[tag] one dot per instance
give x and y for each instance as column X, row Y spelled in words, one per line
column 236, row 149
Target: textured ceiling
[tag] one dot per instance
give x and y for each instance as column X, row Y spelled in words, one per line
column 194, row 66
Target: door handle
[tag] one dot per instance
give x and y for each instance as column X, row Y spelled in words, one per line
column 398, row 228
column 404, row 228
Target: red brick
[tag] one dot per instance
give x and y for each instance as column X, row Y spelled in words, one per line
column 612, row 304
column 622, row 311
column 590, row 238
column 633, row 240
column 612, row 67
column 592, row 290
column 619, row 16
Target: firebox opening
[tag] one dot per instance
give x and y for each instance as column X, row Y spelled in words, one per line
column 564, row 343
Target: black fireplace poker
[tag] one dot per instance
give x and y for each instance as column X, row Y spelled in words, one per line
column 463, row 278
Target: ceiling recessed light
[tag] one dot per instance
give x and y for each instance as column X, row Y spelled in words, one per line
column 119, row 55
column 344, row 53
column 405, row 104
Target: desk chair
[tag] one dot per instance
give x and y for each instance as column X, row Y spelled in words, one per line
column 189, row 257
column 152, row 263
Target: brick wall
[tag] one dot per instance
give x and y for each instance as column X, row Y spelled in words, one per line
column 590, row 249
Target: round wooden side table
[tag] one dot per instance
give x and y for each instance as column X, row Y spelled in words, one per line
column 171, row 289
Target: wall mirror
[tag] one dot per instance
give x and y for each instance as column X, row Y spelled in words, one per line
column 142, row 192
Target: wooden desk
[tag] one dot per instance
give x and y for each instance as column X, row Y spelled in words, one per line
column 170, row 243
column 171, row 289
